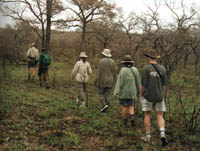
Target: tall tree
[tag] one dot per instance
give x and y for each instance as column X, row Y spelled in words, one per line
column 86, row 11
column 129, row 25
column 37, row 14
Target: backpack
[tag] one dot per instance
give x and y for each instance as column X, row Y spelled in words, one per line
column 46, row 60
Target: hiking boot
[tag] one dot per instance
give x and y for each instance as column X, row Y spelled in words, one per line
column 125, row 122
column 104, row 108
column 83, row 104
column 132, row 123
column 146, row 139
column 29, row 77
column 77, row 101
column 163, row 139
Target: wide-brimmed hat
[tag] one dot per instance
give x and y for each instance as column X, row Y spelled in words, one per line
column 151, row 54
column 127, row 59
column 106, row 52
column 83, row 55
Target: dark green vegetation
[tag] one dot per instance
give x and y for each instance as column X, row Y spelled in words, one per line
column 36, row 119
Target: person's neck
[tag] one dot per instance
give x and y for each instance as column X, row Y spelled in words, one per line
column 152, row 61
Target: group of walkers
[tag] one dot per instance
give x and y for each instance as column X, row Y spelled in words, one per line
column 44, row 62
column 127, row 85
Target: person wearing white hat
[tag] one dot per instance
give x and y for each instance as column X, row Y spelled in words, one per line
column 105, row 78
column 81, row 72
column 33, row 56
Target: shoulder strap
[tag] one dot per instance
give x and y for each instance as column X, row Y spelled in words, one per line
column 134, row 75
column 157, row 70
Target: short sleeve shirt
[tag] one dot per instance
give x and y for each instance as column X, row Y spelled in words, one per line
column 153, row 83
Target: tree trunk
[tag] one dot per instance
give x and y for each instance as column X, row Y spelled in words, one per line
column 48, row 28
column 43, row 36
column 83, row 36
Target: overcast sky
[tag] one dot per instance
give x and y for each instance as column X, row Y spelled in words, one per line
column 137, row 6
column 141, row 6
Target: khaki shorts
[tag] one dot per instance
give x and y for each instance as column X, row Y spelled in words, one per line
column 148, row 106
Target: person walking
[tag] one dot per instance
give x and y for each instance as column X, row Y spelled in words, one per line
column 154, row 82
column 81, row 72
column 44, row 63
column 127, row 88
column 33, row 56
column 105, row 78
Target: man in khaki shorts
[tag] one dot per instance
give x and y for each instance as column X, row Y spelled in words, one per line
column 154, row 81
column 33, row 56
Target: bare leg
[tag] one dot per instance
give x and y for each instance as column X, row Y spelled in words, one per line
column 124, row 112
column 160, row 119
column 161, row 125
column 29, row 74
column 131, row 112
column 124, row 115
column 147, row 122
column 33, row 73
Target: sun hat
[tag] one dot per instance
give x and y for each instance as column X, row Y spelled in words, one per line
column 83, row 55
column 106, row 52
column 127, row 59
column 151, row 54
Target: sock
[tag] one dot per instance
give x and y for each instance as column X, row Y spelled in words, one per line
column 162, row 131
column 148, row 134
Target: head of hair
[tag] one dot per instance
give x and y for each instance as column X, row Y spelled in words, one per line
column 128, row 64
column 83, row 59
column 44, row 50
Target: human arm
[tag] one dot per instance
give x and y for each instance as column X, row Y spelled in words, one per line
column 89, row 69
column 97, row 75
column 144, row 81
column 28, row 52
column 37, row 54
column 118, row 86
column 75, row 70
column 142, row 90
column 138, row 83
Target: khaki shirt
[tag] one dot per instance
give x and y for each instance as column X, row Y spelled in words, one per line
column 33, row 53
column 81, row 71
column 106, row 73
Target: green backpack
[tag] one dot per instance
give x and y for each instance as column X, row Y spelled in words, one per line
column 46, row 60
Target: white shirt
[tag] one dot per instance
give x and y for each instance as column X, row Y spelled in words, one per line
column 33, row 52
column 81, row 71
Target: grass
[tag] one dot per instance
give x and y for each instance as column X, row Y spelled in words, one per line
column 36, row 119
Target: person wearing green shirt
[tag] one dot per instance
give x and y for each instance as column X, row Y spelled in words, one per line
column 154, row 82
column 127, row 88
column 44, row 63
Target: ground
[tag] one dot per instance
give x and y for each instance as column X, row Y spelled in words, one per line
column 37, row 119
